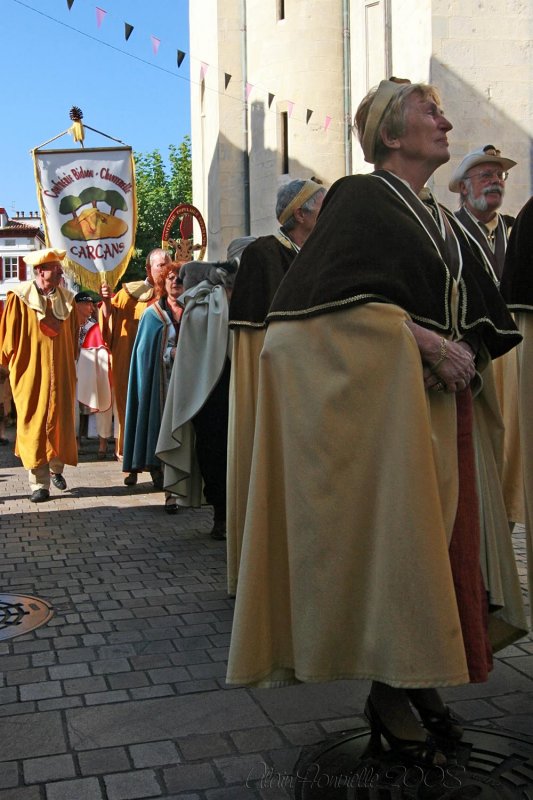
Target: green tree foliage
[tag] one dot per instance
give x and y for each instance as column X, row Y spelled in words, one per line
column 92, row 195
column 115, row 201
column 160, row 188
column 70, row 204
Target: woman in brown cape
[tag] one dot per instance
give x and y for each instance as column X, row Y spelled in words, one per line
column 362, row 552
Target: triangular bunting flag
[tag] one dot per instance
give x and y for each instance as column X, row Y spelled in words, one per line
column 181, row 56
column 308, row 115
column 155, row 44
column 248, row 89
column 270, row 98
column 290, row 107
column 70, row 3
column 327, row 122
column 203, row 70
column 227, row 78
column 128, row 30
column 100, row 14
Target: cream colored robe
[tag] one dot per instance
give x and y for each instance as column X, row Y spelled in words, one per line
column 506, row 379
column 344, row 569
column 247, row 345
column 525, row 361
column 42, row 374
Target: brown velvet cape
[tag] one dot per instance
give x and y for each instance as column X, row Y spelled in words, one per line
column 263, row 265
column 392, row 263
column 517, row 279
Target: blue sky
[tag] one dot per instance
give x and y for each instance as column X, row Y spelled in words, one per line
column 52, row 58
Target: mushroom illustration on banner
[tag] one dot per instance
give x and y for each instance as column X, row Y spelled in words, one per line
column 88, row 206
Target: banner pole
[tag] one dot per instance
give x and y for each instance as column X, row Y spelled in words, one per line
column 59, row 135
column 105, row 134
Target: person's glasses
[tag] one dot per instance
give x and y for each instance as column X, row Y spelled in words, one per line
column 490, row 175
column 175, row 278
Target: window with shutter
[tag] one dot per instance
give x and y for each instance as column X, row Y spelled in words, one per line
column 11, row 268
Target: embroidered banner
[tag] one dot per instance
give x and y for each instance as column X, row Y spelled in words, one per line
column 88, row 207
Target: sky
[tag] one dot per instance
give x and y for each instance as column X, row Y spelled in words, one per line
column 53, row 58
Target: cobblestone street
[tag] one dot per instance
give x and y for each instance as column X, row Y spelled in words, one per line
column 122, row 694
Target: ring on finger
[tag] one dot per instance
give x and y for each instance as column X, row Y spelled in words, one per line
column 439, row 386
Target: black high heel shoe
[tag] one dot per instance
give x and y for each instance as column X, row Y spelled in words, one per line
column 441, row 724
column 171, row 506
column 424, row 752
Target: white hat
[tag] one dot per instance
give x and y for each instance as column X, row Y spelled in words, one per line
column 484, row 155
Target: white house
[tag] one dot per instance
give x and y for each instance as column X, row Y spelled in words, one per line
column 18, row 237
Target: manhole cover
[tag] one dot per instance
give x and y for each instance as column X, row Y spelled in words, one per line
column 489, row 765
column 20, row 613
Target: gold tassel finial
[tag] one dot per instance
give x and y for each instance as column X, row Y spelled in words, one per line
column 76, row 129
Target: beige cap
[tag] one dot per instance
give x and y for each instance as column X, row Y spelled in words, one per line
column 39, row 257
column 484, row 155
column 383, row 96
column 307, row 191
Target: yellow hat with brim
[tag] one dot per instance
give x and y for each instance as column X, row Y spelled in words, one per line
column 39, row 257
column 484, row 155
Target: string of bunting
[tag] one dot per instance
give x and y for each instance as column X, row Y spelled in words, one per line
column 101, row 14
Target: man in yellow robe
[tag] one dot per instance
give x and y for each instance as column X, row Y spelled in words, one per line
column 38, row 343
column 120, row 315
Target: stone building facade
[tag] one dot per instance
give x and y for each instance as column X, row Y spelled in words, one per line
column 267, row 75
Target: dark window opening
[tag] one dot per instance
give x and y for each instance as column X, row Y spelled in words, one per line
column 284, row 143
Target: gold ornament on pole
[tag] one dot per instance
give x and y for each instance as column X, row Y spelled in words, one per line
column 76, row 129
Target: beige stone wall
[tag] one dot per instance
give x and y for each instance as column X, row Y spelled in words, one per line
column 300, row 61
column 217, row 121
column 483, row 63
column 388, row 37
column 478, row 52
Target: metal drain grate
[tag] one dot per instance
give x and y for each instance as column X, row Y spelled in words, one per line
column 20, row 613
column 489, row 765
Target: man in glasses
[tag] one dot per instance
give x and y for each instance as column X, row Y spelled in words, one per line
column 480, row 180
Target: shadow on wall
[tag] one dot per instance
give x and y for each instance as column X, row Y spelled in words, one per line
column 227, row 185
column 477, row 121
